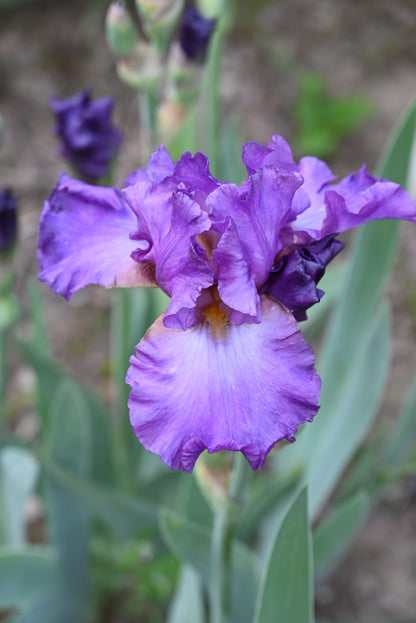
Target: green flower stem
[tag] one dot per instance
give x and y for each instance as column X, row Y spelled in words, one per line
column 120, row 353
column 2, row 376
column 128, row 308
column 210, row 102
column 148, row 119
column 220, row 585
column 133, row 311
column 225, row 520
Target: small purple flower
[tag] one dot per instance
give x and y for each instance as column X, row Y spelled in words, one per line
column 88, row 138
column 226, row 366
column 194, row 33
column 8, row 221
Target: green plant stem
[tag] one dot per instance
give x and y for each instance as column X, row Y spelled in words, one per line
column 2, row 376
column 210, row 102
column 225, row 520
column 148, row 120
column 120, row 352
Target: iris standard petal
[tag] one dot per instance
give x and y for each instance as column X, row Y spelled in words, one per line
column 159, row 167
column 259, row 212
column 167, row 223
column 236, row 286
column 84, row 239
column 277, row 154
column 355, row 200
column 180, row 270
column 222, row 387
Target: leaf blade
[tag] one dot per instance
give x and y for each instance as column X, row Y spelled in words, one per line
column 286, row 587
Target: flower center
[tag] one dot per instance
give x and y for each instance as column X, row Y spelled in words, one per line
column 217, row 319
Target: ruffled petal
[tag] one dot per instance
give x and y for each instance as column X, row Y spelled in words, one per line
column 259, row 213
column 277, row 154
column 194, row 173
column 180, row 270
column 357, row 199
column 159, row 167
column 222, row 387
column 84, row 239
column 168, row 221
column 236, row 285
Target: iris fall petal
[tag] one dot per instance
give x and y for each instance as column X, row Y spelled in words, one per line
column 222, row 387
column 84, row 239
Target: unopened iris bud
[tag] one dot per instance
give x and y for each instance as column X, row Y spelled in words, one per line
column 212, row 8
column 120, row 30
column 8, row 222
column 170, row 116
column 194, row 33
column 152, row 9
column 142, row 70
column 160, row 18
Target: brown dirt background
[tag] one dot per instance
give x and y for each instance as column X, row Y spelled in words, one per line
column 366, row 47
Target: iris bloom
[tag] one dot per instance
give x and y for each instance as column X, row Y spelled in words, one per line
column 88, row 138
column 226, row 366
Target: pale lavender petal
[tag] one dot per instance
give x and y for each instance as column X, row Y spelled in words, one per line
column 84, row 238
column 222, row 387
column 357, row 199
column 316, row 176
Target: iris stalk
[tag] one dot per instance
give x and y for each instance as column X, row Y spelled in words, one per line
column 210, row 96
column 222, row 537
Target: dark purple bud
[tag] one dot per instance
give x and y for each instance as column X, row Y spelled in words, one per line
column 194, row 33
column 8, row 221
column 294, row 279
column 89, row 140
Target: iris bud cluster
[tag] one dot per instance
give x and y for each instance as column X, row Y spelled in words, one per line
column 161, row 46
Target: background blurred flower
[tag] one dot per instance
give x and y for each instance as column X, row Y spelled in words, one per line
column 194, row 33
column 8, row 221
column 89, row 140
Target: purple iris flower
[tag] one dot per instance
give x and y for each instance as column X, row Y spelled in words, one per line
column 8, row 221
column 194, row 33
column 88, row 138
column 226, row 366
